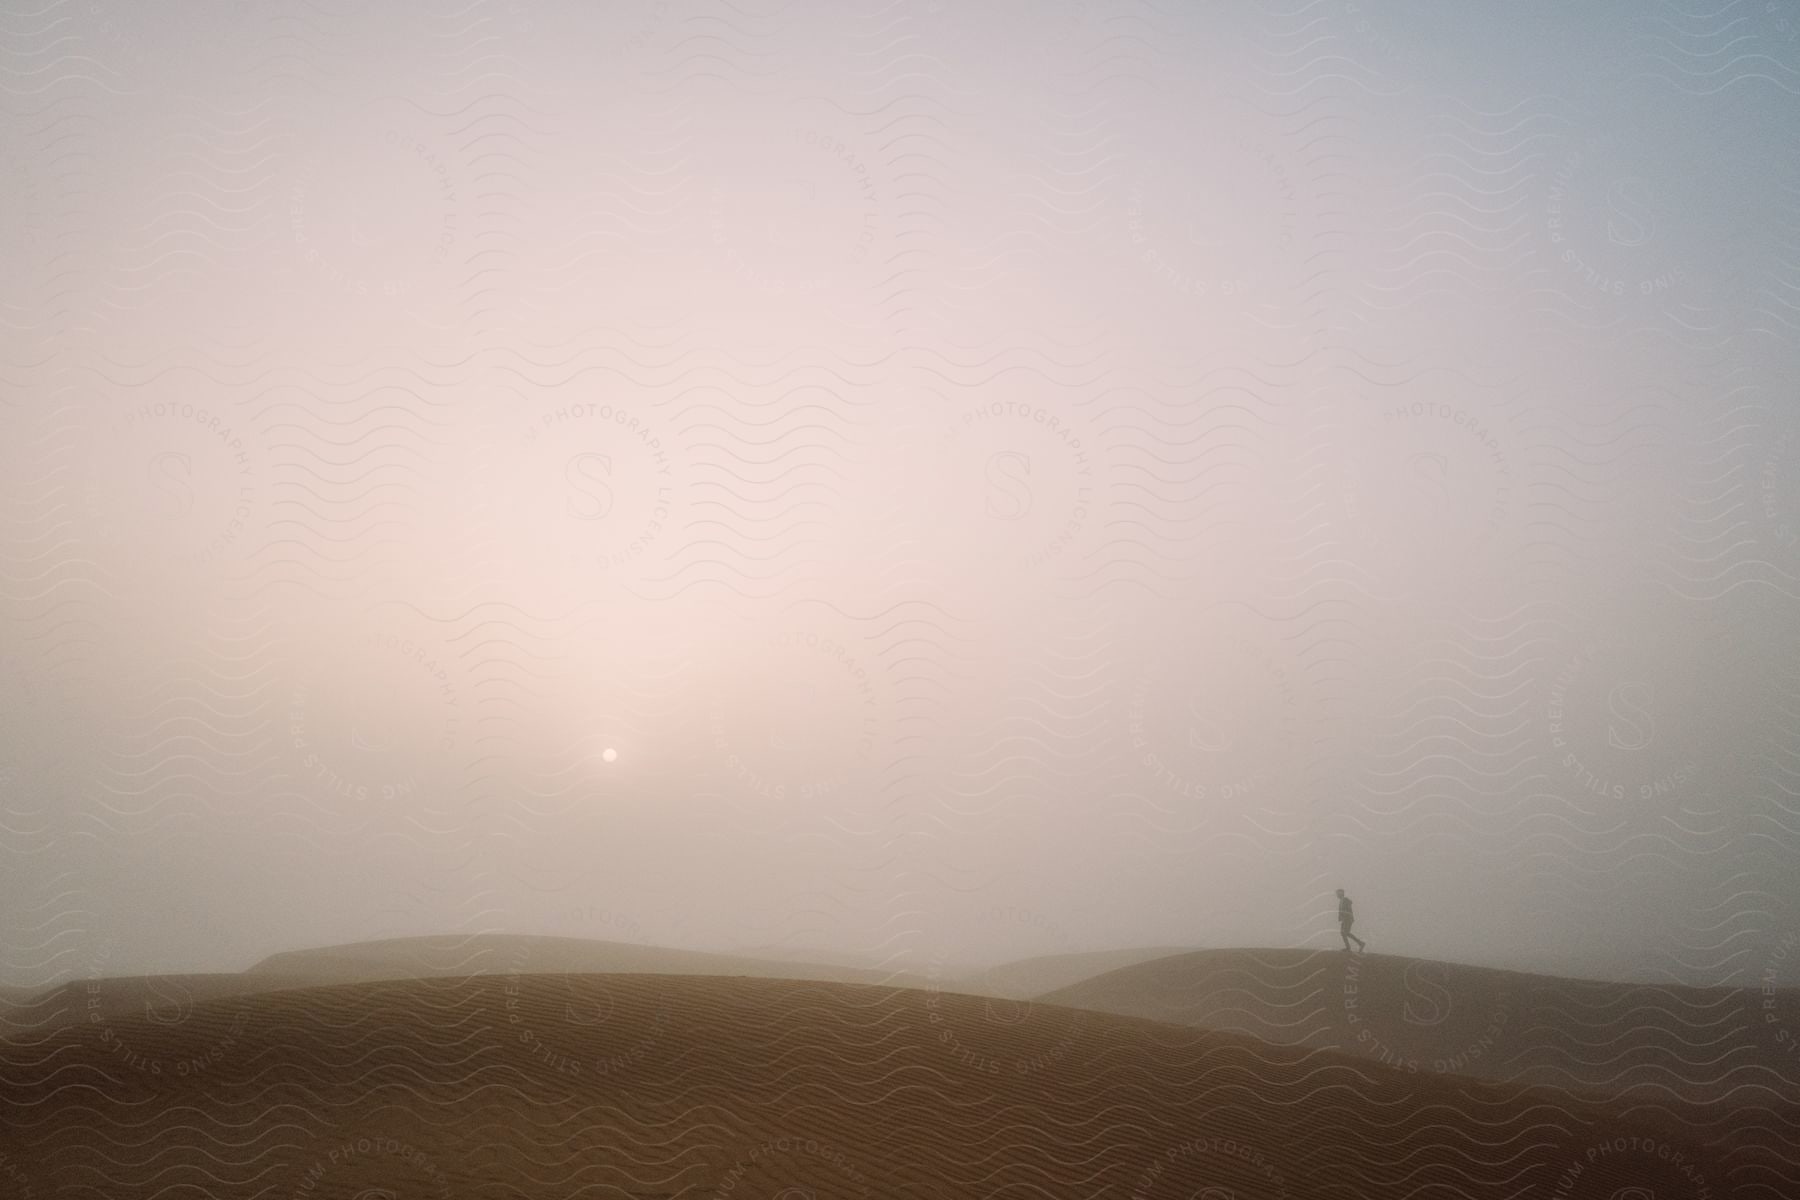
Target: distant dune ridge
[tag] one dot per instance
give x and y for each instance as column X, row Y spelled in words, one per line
column 1029, row 978
column 454, row 955
column 512, row 953
column 507, row 1065
column 437, row 956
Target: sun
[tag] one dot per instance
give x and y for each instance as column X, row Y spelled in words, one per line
column 609, row 755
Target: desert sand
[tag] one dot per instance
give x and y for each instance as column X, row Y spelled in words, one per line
column 1692, row 1053
column 663, row 1085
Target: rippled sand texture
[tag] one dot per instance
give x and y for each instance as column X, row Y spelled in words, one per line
column 667, row 1086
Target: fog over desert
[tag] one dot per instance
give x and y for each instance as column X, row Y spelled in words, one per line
column 992, row 599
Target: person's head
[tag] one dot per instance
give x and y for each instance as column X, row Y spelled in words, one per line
column 1340, row 893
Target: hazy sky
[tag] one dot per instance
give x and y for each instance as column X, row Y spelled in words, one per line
column 998, row 477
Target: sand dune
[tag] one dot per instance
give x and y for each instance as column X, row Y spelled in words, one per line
column 1685, row 1049
column 685, row 1086
column 165, row 997
column 162, row 998
column 457, row 955
column 1026, row 978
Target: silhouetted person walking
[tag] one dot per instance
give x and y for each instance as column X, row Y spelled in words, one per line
column 1347, row 918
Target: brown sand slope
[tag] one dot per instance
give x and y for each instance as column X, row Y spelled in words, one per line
column 1679, row 1047
column 692, row 1087
column 1025, row 978
column 164, row 998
